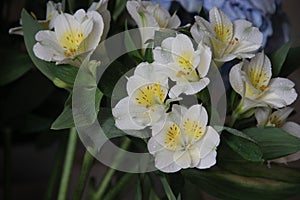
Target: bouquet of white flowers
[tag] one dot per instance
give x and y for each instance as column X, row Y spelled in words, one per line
column 174, row 109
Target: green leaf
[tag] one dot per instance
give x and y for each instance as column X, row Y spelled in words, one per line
column 232, row 162
column 149, row 54
column 119, row 8
column 241, row 144
column 15, row 65
column 292, row 62
column 64, row 120
column 63, row 75
column 274, row 142
column 167, row 188
column 225, row 185
column 278, row 57
column 234, row 132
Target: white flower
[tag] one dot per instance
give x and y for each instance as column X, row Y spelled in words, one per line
column 147, row 14
column 252, row 80
column 101, row 8
column 145, row 105
column 265, row 117
column 72, row 39
column 53, row 10
column 184, row 140
column 183, row 64
column 227, row 40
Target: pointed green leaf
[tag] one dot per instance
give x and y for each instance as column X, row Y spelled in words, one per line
column 167, row 188
column 225, row 185
column 274, row 142
column 279, row 56
column 292, row 62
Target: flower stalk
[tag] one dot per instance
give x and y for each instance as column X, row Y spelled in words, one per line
column 87, row 164
column 109, row 174
column 69, row 158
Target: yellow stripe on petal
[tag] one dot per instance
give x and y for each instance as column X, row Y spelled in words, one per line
column 173, row 137
column 150, row 95
column 193, row 129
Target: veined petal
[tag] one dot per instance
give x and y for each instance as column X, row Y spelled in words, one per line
column 281, row 93
column 202, row 30
column 123, row 120
column 208, row 161
column 209, row 142
column 235, row 79
column 279, row 117
column 262, row 116
column 259, row 71
column 221, row 24
column 194, row 123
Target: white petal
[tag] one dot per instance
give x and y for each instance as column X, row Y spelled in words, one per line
column 259, row 70
column 205, row 60
column 174, row 21
column 94, row 36
column 209, row 142
column 281, row 115
column 197, row 113
column 188, row 88
column 123, row 120
column 164, row 161
column 183, row 159
column 177, row 113
column 292, row 128
column 180, row 44
column 65, row 23
column 281, row 93
column 208, row 161
column 262, row 115
column 202, row 30
column 222, row 24
column 235, row 78
column 244, row 31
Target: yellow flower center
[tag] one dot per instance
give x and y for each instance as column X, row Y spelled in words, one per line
column 70, row 43
column 149, row 95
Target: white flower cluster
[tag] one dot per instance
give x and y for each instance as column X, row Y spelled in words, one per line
column 181, row 137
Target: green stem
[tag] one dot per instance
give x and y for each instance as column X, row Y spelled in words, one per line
column 233, row 118
column 7, row 164
column 120, row 184
column 84, row 172
column 107, row 177
column 71, row 5
column 69, row 158
column 56, row 168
